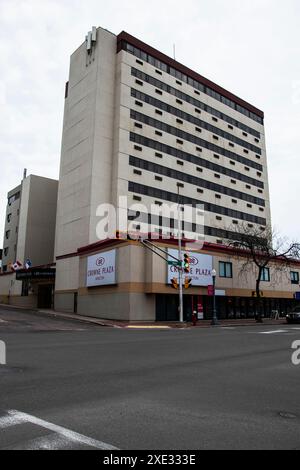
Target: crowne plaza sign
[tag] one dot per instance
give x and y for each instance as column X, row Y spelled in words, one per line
column 101, row 269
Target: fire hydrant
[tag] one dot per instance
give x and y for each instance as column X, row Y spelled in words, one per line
column 194, row 318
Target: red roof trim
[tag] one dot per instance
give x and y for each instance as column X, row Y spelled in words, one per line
column 123, row 36
column 212, row 247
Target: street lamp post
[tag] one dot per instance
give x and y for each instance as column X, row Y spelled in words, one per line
column 214, row 321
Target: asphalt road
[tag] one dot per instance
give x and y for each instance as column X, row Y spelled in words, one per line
column 74, row 386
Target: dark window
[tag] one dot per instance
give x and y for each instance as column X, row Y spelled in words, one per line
column 138, row 103
column 159, row 72
column 137, row 198
column 138, row 82
column 137, row 172
column 139, row 62
column 225, row 269
column 265, row 275
column 158, row 178
column 179, row 121
column 158, row 133
column 294, row 277
column 159, row 92
column 159, row 155
column 137, row 124
column 137, row 147
column 158, row 112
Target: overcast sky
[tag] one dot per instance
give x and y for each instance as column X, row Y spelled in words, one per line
column 250, row 47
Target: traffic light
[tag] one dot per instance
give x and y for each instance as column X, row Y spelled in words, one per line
column 175, row 283
column 186, row 263
column 187, row 282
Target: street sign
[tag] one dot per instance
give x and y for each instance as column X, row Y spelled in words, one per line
column 174, row 263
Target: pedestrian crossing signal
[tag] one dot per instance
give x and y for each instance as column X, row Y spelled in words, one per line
column 175, row 283
column 187, row 283
column 186, row 263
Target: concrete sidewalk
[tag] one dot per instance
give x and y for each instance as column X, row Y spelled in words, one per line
column 143, row 325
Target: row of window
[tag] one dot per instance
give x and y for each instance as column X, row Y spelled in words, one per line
column 178, row 175
column 185, row 78
column 166, row 223
column 192, row 119
column 195, row 102
column 192, row 138
column 226, row 271
column 185, row 200
column 182, row 155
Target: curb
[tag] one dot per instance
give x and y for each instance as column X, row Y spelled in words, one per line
column 137, row 326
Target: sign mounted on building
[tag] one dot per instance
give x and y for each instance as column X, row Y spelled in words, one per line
column 101, row 269
column 200, row 268
column 37, row 274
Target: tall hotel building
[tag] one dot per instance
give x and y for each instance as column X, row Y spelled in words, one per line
column 139, row 124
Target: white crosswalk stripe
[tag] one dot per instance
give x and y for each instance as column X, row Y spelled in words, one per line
column 59, row 437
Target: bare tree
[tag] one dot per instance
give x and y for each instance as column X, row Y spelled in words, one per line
column 261, row 247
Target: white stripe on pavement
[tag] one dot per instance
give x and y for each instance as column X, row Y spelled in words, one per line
column 20, row 417
column 8, row 421
column 273, row 332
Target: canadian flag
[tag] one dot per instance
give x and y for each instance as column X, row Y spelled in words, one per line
column 17, row 265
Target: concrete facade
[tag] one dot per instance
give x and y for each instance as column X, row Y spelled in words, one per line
column 30, row 221
column 141, row 279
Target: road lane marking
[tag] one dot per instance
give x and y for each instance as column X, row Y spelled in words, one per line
column 272, row 332
column 8, row 421
column 141, row 327
column 17, row 417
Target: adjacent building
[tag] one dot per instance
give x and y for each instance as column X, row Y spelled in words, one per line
column 29, row 237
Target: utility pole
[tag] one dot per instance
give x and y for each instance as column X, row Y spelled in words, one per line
column 180, row 258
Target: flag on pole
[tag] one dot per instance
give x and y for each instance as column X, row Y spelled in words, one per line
column 17, row 265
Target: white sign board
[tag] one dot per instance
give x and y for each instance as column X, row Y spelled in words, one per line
column 101, row 269
column 200, row 268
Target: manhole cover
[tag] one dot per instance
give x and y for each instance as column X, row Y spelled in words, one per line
column 286, row 415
